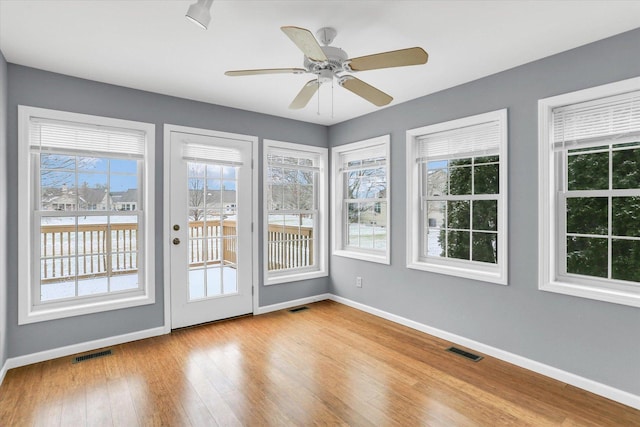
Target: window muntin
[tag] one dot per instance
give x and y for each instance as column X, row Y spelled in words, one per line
column 361, row 197
column 84, row 182
column 457, row 194
column 590, row 205
column 294, row 211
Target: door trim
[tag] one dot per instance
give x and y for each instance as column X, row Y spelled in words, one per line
column 166, row 210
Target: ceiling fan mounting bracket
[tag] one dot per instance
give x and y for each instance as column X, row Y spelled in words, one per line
column 326, row 35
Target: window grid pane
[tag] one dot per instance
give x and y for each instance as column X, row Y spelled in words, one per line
column 461, row 219
column 292, row 203
column 92, row 249
column 602, row 199
column 364, row 191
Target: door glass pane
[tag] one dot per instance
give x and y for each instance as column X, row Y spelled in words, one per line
column 196, row 283
column 212, row 236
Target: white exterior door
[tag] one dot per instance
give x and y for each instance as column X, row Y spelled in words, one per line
column 211, row 233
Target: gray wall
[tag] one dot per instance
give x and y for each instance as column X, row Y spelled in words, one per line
column 48, row 90
column 589, row 338
column 3, row 208
column 593, row 339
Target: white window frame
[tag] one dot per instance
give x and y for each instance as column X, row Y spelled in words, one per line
column 496, row 273
column 321, row 236
column 551, row 257
column 28, row 311
column 338, row 220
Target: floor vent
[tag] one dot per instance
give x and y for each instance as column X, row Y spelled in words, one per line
column 297, row 309
column 466, row 354
column 91, row 356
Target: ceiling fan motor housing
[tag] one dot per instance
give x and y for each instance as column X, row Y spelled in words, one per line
column 326, row 70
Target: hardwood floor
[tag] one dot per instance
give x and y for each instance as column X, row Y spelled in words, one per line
column 329, row 365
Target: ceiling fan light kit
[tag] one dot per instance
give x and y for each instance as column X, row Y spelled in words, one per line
column 199, row 13
column 329, row 62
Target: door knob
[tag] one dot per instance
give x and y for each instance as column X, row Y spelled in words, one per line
column 176, row 241
column 176, row 227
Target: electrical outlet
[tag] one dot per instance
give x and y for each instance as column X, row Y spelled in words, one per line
column 358, row 282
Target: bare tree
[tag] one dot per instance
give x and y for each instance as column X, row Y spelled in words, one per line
column 196, row 199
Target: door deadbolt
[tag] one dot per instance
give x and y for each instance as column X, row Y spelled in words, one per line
column 176, row 241
column 176, row 227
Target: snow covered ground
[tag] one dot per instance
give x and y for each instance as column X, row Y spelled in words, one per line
column 219, row 281
column 433, row 246
column 59, row 290
column 368, row 236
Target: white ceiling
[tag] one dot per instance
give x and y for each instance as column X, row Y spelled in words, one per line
column 149, row 45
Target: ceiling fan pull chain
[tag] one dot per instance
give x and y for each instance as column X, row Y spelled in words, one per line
column 318, row 94
column 332, row 95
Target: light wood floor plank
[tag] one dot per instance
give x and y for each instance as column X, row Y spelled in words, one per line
column 328, row 365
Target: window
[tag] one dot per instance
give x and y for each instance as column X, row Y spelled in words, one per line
column 589, row 207
column 83, row 254
column 295, row 211
column 361, row 200
column 457, row 197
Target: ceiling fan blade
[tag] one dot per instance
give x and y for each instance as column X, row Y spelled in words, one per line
column 365, row 90
column 395, row 58
column 265, row 71
column 304, row 96
column 306, row 43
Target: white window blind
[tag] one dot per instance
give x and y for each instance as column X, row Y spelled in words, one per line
column 302, row 160
column 586, row 123
column 47, row 134
column 365, row 158
column 210, row 153
column 477, row 140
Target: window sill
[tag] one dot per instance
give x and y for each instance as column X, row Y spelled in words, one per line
column 600, row 294
column 495, row 277
column 294, row 277
column 363, row 256
column 46, row 313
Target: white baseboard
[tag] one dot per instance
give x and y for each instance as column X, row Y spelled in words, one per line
column 600, row 389
column 16, row 362
column 288, row 304
column 3, row 372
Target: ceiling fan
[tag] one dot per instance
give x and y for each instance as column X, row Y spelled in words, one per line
column 329, row 62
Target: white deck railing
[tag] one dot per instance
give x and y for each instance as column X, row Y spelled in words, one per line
column 111, row 250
